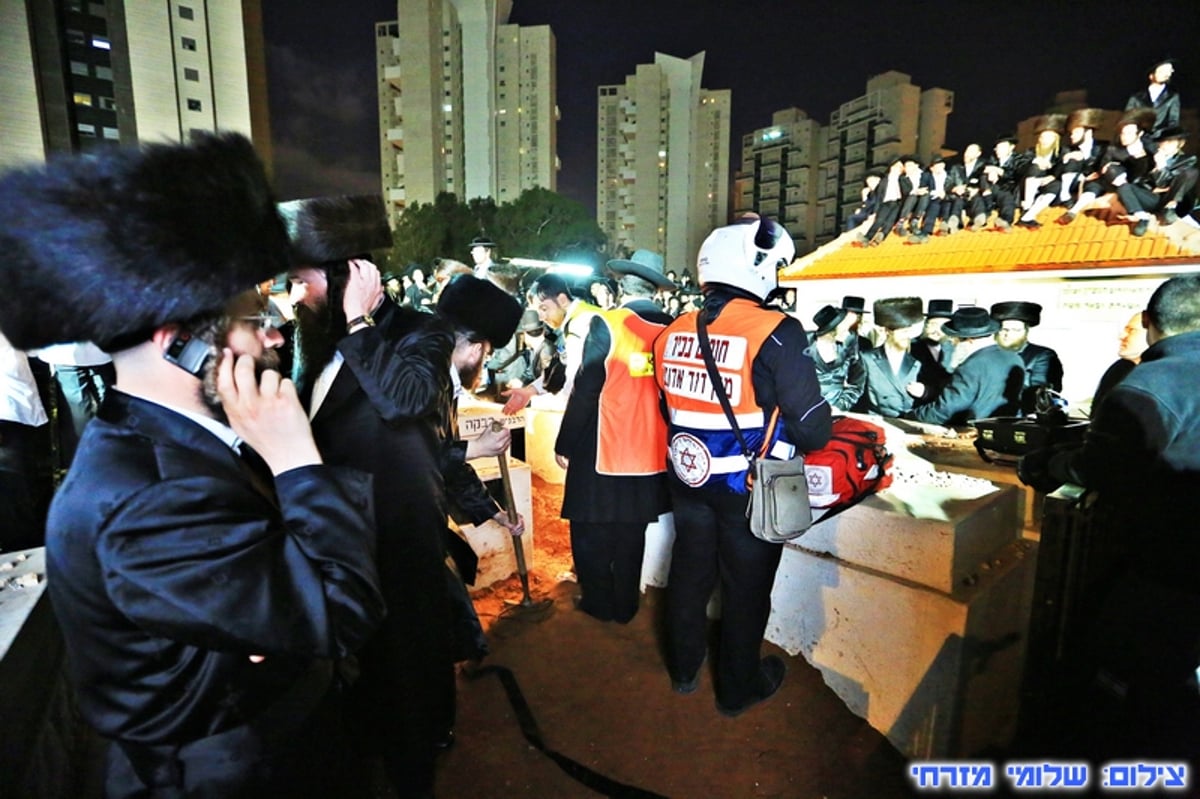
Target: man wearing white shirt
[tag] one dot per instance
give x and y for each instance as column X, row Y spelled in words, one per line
column 83, row 373
column 21, row 413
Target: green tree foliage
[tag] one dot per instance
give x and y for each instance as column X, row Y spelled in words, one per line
column 538, row 224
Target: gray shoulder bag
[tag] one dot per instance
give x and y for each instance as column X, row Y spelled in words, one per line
column 778, row 509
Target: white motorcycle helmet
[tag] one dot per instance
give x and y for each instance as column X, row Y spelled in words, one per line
column 747, row 255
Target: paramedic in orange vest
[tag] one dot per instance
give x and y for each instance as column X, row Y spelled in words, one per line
column 613, row 443
column 759, row 353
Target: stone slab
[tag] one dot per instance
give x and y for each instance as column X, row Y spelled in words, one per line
column 491, row 542
column 938, row 674
column 928, row 527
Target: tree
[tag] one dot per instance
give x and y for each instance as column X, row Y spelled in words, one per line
column 539, row 224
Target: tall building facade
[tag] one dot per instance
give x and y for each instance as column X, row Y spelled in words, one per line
column 467, row 103
column 810, row 175
column 662, row 159
column 79, row 74
column 893, row 118
column 777, row 175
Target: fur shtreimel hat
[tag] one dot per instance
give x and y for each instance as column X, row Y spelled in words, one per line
column 482, row 307
column 1085, row 118
column 109, row 246
column 894, row 313
column 1142, row 117
column 1028, row 312
column 1054, row 122
column 327, row 229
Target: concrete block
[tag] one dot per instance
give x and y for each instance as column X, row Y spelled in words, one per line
column 491, row 542
column 928, row 527
column 939, row 674
column 541, row 431
column 656, row 561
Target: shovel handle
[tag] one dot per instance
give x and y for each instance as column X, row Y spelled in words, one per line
column 510, row 504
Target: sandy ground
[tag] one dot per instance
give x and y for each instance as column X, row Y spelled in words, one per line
column 600, row 695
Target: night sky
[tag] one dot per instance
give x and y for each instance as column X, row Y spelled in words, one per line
column 1004, row 62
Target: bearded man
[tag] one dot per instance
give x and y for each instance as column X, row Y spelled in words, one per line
column 203, row 591
column 380, row 389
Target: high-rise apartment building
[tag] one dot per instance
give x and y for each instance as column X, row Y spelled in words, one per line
column 810, row 176
column 467, row 103
column 76, row 74
column 893, row 118
column 777, row 175
column 662, row 159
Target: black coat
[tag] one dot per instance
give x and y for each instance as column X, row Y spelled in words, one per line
column 1166, row 108
column 886, row 394
column 168, row 569
column 987, row 383
column 391, row 421
column 1142, row 456
column 588, row 496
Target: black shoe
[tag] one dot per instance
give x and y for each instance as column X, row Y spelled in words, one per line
column 685, row 686
column 1066, row 218
column 772, row 671
column 1032, row 224
column 1170, row 217
column 1141, row 227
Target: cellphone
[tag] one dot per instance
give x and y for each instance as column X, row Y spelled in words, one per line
column 188, row 353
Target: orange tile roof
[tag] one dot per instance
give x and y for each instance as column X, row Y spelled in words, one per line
column 1098, row 238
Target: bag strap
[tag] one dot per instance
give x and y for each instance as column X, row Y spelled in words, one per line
column 718, row 387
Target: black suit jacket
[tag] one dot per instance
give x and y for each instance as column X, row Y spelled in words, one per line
column 168, row 569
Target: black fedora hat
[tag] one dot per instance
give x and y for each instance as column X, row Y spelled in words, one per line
column 1172, row 132
column 971, row 322
column 939, row 309
column 646, row 265
column 481, row 241
column 828, row 318
column 857, row 305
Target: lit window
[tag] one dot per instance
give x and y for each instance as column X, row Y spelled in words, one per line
column 101, row 43
column 185, row 12
column 85, row 129
column 188, row 43
column 81, row 98
column 112, row 133
column 193, row 105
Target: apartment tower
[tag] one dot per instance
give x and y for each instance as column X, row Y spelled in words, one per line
column 76, row 74
column 662, row 159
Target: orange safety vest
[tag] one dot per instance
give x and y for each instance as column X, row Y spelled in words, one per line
column 631, row 433
column 701, row 444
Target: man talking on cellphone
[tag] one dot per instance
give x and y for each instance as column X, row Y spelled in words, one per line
column 206, row 568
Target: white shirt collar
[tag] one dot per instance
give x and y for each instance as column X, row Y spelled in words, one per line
column 324, row 382
column 218, row 429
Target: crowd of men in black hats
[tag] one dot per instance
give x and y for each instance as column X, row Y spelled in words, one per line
column 932, row 363
column 1070, row 165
